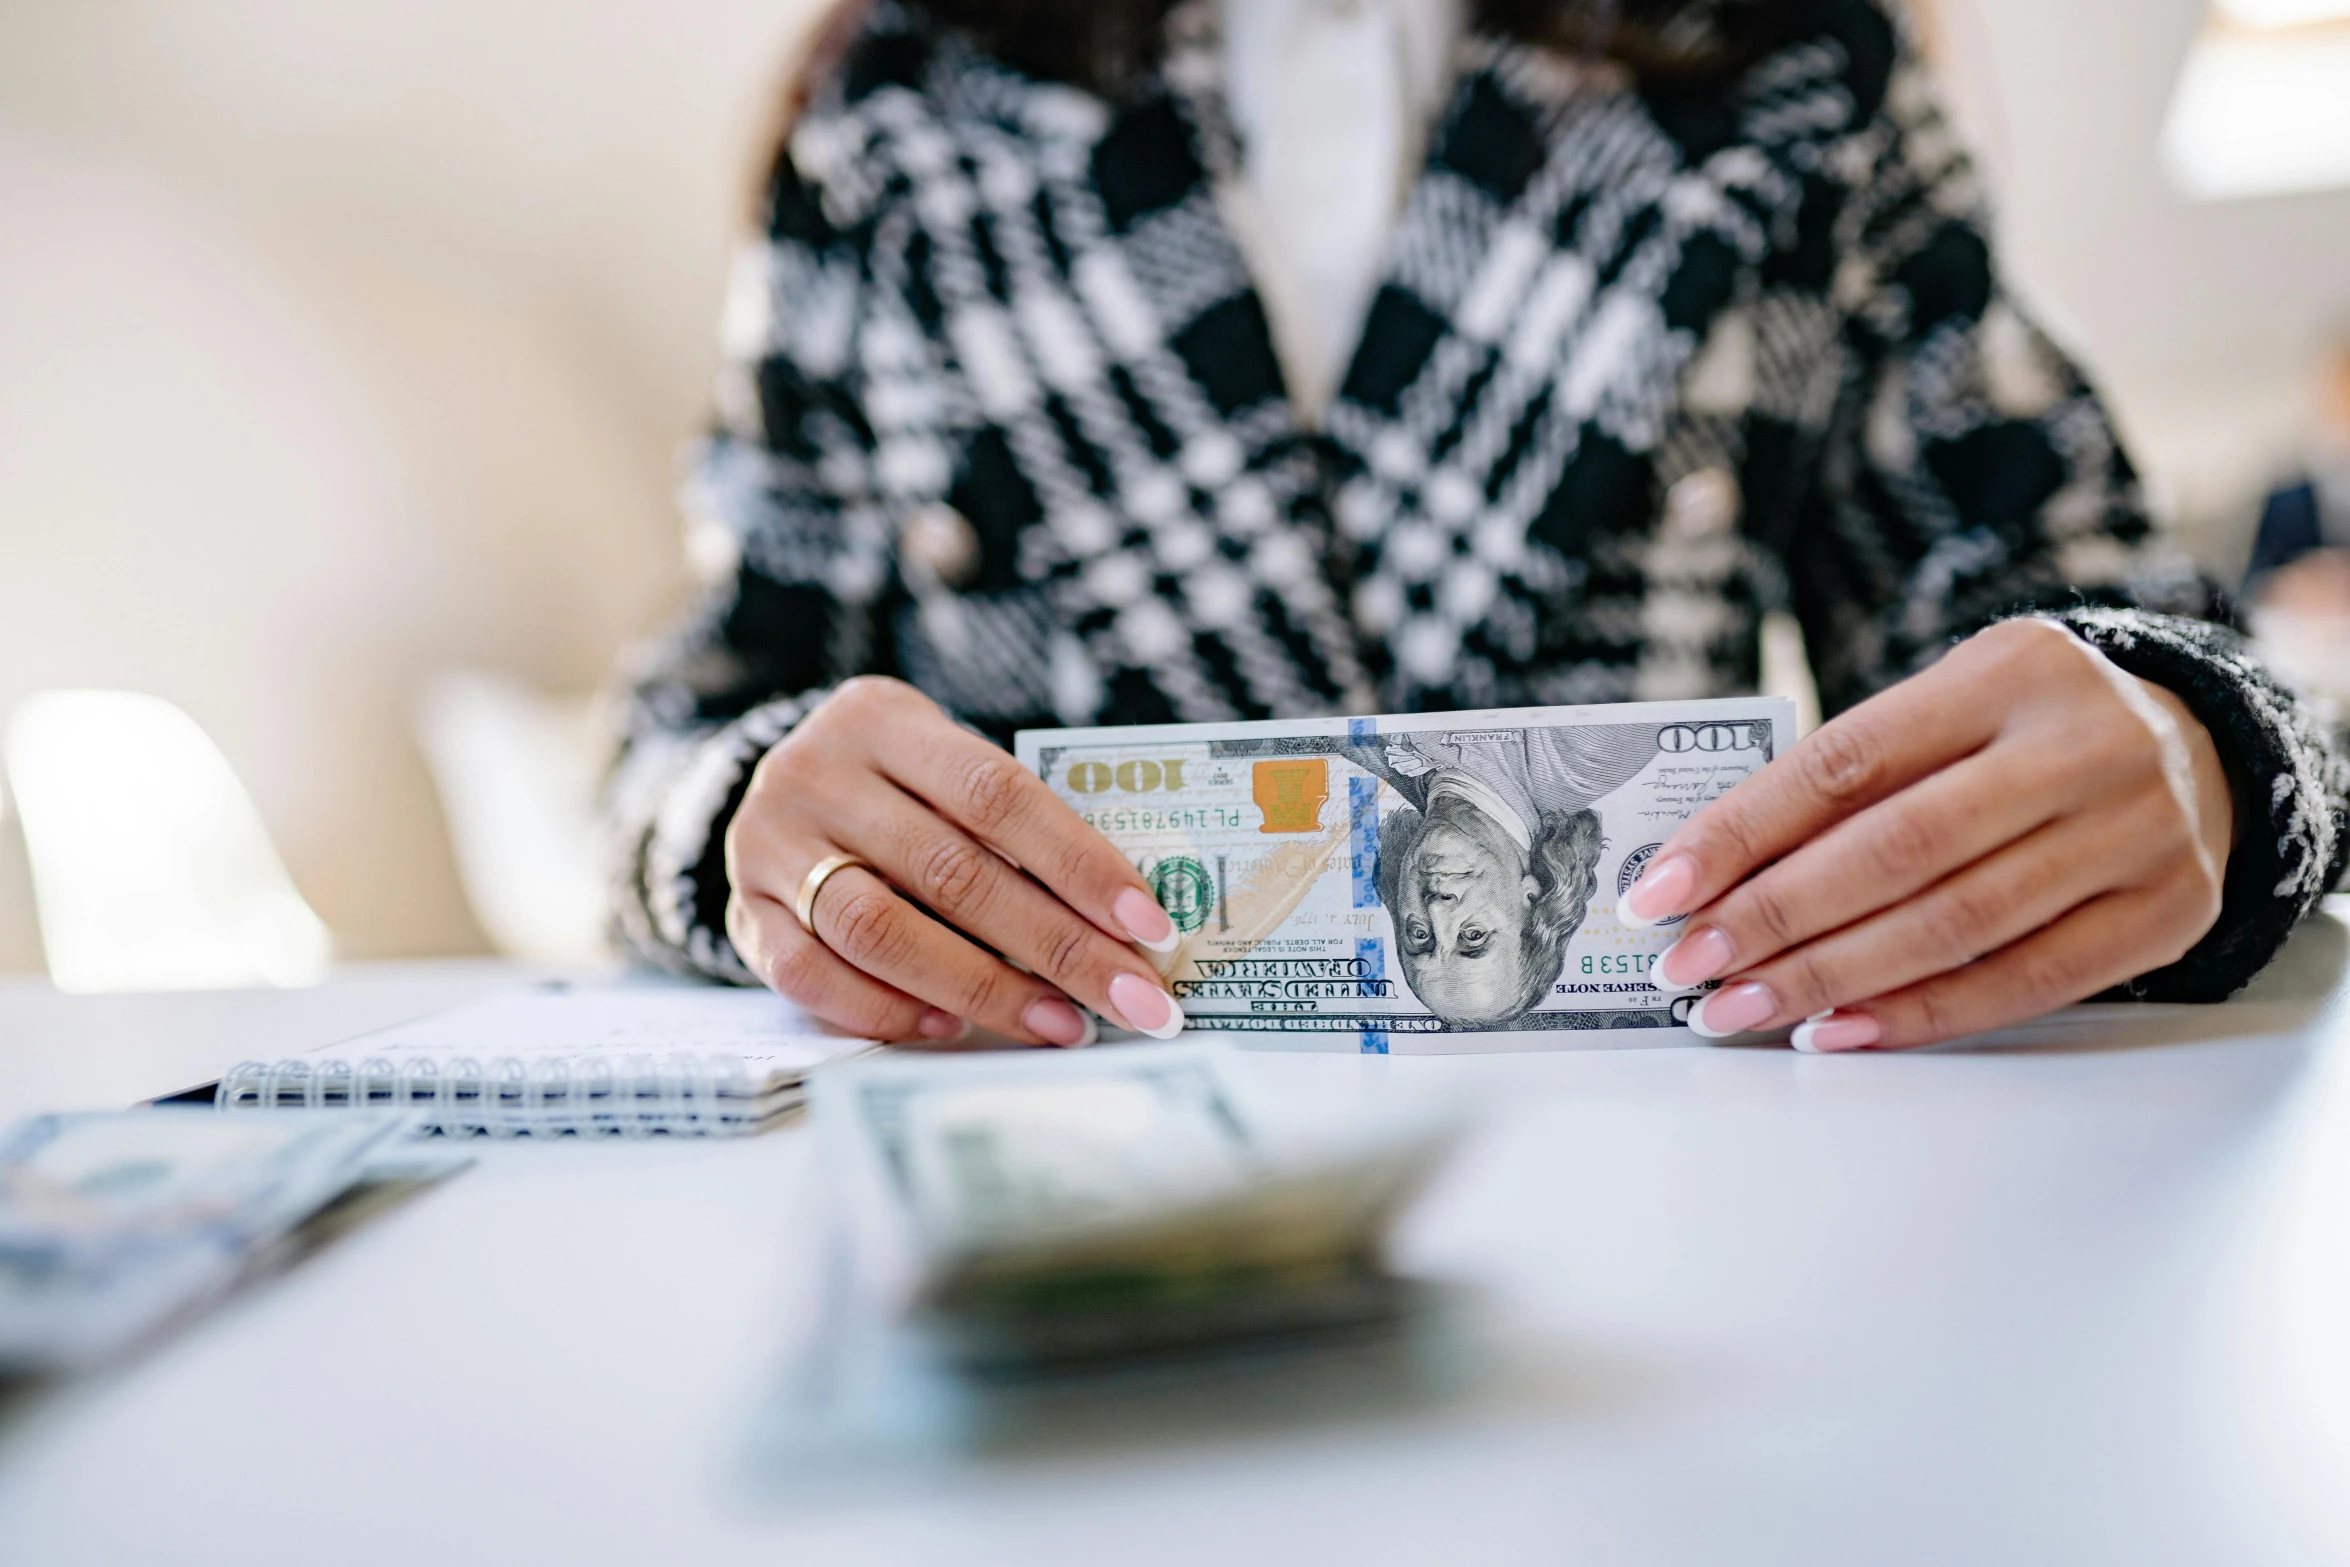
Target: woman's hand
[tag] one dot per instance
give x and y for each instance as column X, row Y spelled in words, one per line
column 947, row 820
column 2019, row 827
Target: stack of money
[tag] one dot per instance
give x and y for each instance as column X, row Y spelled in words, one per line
column 1433, row 883
column 113, row 1224
column 1068, row 1209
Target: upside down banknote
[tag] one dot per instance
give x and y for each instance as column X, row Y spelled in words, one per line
column 1437, row 882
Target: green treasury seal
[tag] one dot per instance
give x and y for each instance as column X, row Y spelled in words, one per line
column 1182, row 887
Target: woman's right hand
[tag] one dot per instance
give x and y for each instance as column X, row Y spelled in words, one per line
column 879, row 771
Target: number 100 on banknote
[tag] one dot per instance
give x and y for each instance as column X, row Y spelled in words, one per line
column 1438, row 882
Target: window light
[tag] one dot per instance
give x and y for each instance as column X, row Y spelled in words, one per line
column 2263, row 113
column 2282, row 13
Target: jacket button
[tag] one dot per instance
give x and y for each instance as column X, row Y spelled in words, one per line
column 1703, row 504
column 940, row 541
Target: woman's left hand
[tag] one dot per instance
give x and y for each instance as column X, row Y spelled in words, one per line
column 2019, row 827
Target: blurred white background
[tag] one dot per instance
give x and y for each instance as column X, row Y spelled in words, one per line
column 342, row 346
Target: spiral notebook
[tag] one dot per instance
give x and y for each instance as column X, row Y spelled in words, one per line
column 612, row 1061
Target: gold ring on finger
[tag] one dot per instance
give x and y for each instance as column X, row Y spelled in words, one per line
column 822, row 872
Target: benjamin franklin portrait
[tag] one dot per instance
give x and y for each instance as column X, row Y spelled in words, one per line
column 1488, row 868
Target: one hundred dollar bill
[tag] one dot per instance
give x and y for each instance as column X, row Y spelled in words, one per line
column 1438, row 882
column 114, row 1223
column 1075, row 1207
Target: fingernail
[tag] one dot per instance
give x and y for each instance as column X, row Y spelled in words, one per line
column 1056, row 1022
column 1831, row 1032
column 1695, row 958
column 1738, row 1010
column 1144, row 920
column 1662, row 891
column 942, row 1025
column 1145, row 1007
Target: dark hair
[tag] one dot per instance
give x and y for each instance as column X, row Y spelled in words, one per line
column 1566, row 872
column 1103, row 44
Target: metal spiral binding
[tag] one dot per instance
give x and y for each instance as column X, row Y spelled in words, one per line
column 508, row 1096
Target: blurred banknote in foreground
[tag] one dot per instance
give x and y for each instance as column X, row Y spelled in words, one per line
column 1438, row 882
column 1076, row 1209
column 114, row 1223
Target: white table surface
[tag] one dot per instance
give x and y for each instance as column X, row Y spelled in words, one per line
column 2077, row 1295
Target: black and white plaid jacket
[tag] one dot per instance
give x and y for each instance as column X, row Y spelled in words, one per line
column 1642, row 368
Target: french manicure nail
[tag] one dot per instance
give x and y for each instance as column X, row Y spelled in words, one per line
column 1662, row 891
column 1832, row 1032
column 1145, row 922
column 1145, row 1007
column 942, row 1026
column 1738, row 1010
column 1695, row 958
column 1056, row 1022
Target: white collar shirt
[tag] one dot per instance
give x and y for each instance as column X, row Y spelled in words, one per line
column 1332, row 100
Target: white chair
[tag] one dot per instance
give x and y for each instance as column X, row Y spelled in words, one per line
column 518, row 770
column 151, row 868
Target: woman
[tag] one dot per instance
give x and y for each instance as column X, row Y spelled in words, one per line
column 1101, row 363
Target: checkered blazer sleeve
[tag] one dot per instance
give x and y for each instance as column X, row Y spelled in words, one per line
column 787, row 542
column 1972, row 474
